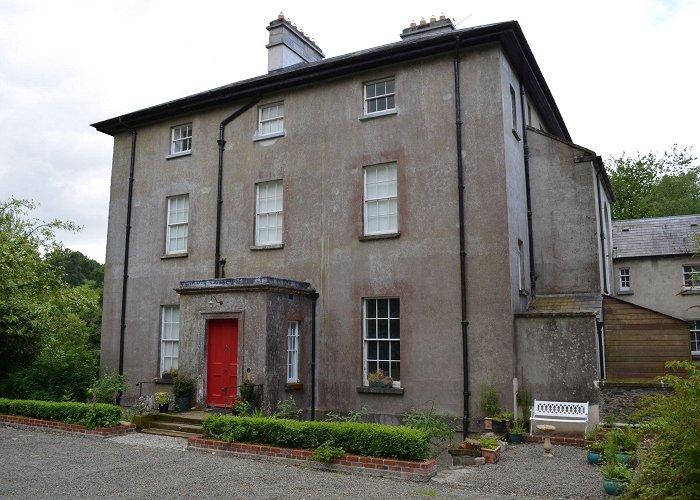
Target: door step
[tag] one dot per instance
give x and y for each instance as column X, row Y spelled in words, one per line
column 167, row 432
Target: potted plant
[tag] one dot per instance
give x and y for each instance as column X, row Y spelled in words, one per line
column 623, row 442
column 595, row 452
column 379, row 379
column 516, row 431
column 489, row 404
column 163, row 401
column 465, row 452
column 616, row 476
column 501, row 421
column 490, row 449
column 170, row 374
column 183, row 392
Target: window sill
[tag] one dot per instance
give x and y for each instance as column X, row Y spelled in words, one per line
column 395, row 391
column 275, row 135
column 379, row 114
column 294, row 386
column 178, row 155
column 267, row 247
column 386, row 236
column 173, row 256
column 515, row 133
column 690, row 291
column 625, row 292
column 165, row 381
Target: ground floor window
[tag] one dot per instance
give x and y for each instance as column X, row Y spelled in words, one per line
column 382, row 337
column 293, row 351
column 695, row 337
column 169, row 338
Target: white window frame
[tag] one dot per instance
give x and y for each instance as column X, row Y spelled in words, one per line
column 691, row 277
column 695, row 337
column 275, row 121
column 181, row 139
column 624, row 276
column 381, row 203
column 372, row 337
column 269, row 213
column 373, row 100
column 169, row 338
column 177, row 224
column 292, row 352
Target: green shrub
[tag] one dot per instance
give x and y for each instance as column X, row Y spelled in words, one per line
column 490, row 443
column 327, row 452
column 436, row 426
column 352, row 416
column 670, row 467
column 374, row 440
column 489, row 400
column 105, row 389
column 287, row 409
column 89, row 415
column 182, row 388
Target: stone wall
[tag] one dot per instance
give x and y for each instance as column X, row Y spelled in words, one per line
column 621, row 399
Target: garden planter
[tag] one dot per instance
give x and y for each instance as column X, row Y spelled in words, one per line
column 491, row 456
column 164, row 408
column 183, row 404
column 488, row 424
column 462, row 457
column 515, row 438
column 594, row 457
column 499, row 426
column 613, row 486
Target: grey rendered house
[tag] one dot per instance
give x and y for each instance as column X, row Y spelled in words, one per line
column 656, row 266
column 417, row 208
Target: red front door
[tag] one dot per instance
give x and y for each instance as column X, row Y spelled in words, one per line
column 222, row 362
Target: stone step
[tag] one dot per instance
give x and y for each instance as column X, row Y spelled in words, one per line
column 178, row 417
column 165, row 432
column 177, row 426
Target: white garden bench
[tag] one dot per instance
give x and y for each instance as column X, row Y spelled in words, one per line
column 559, row 411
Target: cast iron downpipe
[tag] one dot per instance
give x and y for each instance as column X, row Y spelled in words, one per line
column 601, row 348
column 528, row 196
column 221, row 142
column 602, row 234
column 462, row 250
column 125, row 277
column 314, row 298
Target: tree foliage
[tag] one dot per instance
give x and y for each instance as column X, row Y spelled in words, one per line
column 653, row 185
column 49, row 331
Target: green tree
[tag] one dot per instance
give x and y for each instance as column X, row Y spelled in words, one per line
column 653, row 185
column 78, row 269
column 49, row 331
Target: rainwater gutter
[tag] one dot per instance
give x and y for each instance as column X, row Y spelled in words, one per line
column 219, row 200
column 462, row 250
column 125, row 277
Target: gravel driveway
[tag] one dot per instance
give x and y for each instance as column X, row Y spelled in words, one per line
column 38, row 464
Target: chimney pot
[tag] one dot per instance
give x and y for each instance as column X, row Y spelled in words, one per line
column 432, row 18
column 280, row 17
column 413, row 23
column 442, row 17
column 422, row 21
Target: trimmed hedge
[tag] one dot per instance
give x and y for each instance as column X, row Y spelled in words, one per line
column 89, row 415
column 372, row 440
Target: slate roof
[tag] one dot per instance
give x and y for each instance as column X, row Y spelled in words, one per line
column 655, row 236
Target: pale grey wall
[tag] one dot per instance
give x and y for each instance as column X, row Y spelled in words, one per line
column 657, row 282
column 566, row 238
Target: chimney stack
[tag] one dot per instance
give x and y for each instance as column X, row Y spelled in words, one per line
column 434, row 26
column 289, row 45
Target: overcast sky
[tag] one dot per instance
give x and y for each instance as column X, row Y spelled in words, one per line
column 624, row 75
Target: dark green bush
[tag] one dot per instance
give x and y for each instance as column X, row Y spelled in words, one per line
column 89, row 415
column 373, row 440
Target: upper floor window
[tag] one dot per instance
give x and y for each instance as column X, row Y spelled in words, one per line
column 268, row 213
column 379, row 96
column 382, row 337
column 513, row 108
column 625, row 283
column 178, row 215
column 169, row 338
column 293, row 352
column 521, row 267
column 691, row 278
column 381, row 199
column 695, row 337
column 181, row 139
column 271, row 119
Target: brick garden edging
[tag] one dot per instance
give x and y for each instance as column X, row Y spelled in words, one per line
column 35, row 423
column 384, row 467
column 560, row 440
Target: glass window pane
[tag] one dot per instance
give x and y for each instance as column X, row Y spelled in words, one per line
column 382, row 308
column 384, row 350
column 382, row 328
column 395, row 329
column 394, row 308
column 396, row 371
column 395, row 351
column 390, row 86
